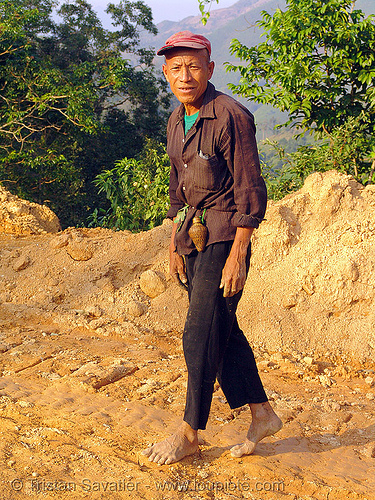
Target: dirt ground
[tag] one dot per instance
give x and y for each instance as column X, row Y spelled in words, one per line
column 92, row 372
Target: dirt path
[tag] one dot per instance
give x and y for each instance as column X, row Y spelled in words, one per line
column 76, row 408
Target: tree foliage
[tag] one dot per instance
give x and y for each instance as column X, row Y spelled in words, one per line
column 317, row 62
column 73, row 97
column 137, row 190
column 347, row 149
column 205, row 14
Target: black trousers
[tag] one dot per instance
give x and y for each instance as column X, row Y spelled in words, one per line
column 214, row 345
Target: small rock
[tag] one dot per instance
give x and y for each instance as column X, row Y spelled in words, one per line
column 3, row 196
column 4, row 347
column 5, row 297
column 370, row 396
column 60, row 241
column 21, row 209
column 290, row 301
column 152, row 383
column 25, row 404
column 94, row 311
column 350, row 270
column 152, row 284
column 14, row 209
column 369, row 450
column 341, row 371
column 21, row 263
column 308, row 360
column 335, row 406
column 264, row 364
column 369, row 381
column 325, row 380
column 149, row 386
column 276, row 356
column 136, row 308
column 106, row 285
column 308, row 285
column 80, row 250
column 58, row 298
column 52, row 376
column 97, row 324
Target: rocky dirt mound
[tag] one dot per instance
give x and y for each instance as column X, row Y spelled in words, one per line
column 311, row 285
column 312, row 280
column 22, row 217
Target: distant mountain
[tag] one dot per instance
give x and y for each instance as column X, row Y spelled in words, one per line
column 218, row 18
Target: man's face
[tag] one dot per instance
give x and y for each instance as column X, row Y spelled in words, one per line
column 187, row 71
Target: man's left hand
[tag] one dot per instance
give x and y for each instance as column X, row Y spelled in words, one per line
column 233, row 276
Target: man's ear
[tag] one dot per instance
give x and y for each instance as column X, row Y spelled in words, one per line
column 165, row 72
column 211, row 66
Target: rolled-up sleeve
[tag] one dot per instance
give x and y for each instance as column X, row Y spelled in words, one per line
column 241, row 152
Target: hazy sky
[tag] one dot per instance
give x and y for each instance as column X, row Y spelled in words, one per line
column 175, row 10
column 166, row 10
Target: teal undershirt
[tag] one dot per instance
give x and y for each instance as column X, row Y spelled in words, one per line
column 189, row 121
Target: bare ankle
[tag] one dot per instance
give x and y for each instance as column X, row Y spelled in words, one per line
column 261, row 410
column 190, row 433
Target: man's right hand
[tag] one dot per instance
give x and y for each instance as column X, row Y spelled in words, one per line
column 177, row 266
column 176, row 262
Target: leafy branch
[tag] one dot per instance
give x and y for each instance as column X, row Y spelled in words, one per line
column 205, row 14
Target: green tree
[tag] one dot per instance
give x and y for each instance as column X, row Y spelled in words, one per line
column 346, row 145
column 137, row 189
column 317, row 63
column 69, row 89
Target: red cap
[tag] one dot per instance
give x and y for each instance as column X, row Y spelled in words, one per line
column 185, row 39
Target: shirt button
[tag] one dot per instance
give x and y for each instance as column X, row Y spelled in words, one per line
column 183, row 188
column 185, row 165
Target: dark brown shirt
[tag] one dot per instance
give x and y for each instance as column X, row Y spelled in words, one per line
column 215, row 167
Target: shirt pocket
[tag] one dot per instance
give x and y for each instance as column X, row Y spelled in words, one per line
column 208, row 172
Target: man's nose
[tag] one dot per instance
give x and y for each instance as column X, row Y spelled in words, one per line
column 185, row 74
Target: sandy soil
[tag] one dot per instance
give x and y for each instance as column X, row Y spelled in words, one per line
column 92, row 372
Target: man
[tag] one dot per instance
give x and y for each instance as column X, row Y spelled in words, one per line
column 215, row 175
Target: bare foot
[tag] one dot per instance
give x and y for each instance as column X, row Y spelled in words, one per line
column 264, row 423
column 181, row 444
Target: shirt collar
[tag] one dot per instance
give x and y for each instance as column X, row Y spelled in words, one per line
column 207, row 110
